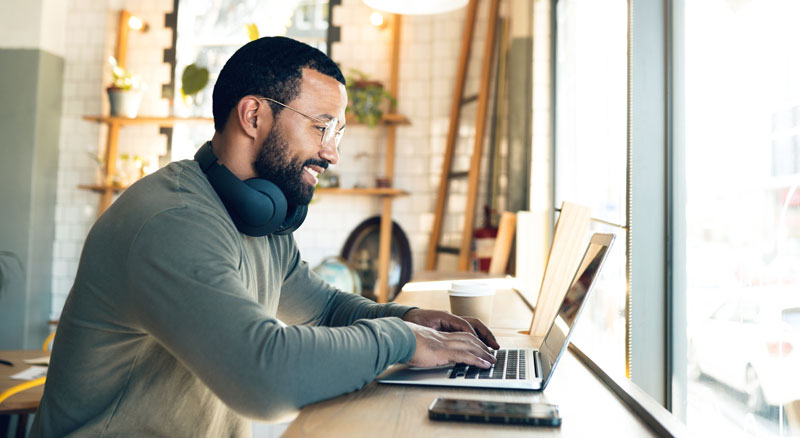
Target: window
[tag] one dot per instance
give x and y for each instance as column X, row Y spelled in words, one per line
column 741, row 110
column 590, row 154
column 728, row 312
column 210, row 32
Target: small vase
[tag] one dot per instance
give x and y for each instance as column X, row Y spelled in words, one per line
column 124, row 103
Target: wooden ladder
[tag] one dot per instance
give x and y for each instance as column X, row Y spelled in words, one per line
column 434, row 247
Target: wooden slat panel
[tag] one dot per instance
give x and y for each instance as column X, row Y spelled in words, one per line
column 111, row 166
column 502, row 245
column 148, row 120
column 569, row 243
column 374, row 191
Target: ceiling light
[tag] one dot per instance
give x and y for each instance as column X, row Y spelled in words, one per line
column 136, row 23
column 416, row 7
column 376, row 19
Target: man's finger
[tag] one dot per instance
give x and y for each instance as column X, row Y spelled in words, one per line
column 472, row 338
column 480, row 352
column 470, row 359
column 457, row 324
column 466, row 341
column 483, row 332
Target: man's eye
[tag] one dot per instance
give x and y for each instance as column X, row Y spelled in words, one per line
column 321, row 129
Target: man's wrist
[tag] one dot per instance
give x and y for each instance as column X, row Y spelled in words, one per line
column 405, row 314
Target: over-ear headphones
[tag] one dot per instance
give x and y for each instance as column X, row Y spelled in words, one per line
column 257, row 206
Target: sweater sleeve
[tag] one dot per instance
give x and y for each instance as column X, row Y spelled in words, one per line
column 308, row 300
column 185, row 290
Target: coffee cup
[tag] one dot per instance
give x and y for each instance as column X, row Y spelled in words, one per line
column 470, row 298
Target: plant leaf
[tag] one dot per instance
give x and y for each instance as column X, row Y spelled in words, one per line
column 252, row 31
column 193, row 80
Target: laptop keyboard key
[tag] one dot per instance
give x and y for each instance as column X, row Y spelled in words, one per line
column 458, row 371
column 511, row 365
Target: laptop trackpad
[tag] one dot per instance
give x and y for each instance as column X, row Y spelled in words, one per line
column 405, row 372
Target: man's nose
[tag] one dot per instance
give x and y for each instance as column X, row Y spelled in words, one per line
column 330, row 152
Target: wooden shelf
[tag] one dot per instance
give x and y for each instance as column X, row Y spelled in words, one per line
column 387, row 119
column 375, row 191
column 147, row 120
column 101, row 188
column 109, row 163
column 392, row 119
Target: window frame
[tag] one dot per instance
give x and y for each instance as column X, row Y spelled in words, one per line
column 656, row 315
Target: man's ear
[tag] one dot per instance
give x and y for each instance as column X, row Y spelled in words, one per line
column 253, row 115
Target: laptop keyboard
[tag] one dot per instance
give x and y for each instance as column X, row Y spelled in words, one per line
column 511, row 365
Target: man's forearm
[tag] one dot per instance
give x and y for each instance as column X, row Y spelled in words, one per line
column 348, row 308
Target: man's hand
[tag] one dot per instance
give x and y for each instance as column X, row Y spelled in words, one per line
column 440, row 348
column 447, row 322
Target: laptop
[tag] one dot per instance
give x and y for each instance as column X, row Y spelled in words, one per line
column 521, row 368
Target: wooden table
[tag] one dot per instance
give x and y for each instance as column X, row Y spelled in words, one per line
column 25, row 402
column 587, row 406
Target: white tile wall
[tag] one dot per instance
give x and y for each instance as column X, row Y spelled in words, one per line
column 88, row 44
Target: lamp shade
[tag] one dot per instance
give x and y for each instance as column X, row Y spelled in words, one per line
column 415, row 7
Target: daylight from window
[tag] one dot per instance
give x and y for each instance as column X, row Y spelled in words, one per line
column 590, row 157
column 742, row 116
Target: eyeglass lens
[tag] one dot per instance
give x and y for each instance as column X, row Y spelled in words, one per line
column 331, row 133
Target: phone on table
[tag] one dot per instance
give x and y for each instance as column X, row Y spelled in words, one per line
column 483, row 411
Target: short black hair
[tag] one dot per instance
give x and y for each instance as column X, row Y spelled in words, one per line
column 269, row 67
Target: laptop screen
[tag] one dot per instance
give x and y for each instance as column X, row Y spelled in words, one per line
column 557, row 338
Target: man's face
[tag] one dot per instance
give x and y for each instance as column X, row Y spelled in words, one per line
column 292, row 156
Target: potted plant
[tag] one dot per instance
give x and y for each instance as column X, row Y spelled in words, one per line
column 367, row 99
column 125, row 91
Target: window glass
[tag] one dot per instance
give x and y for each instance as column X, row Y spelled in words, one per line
column 750, row 312
column 728, row 312
column 792, row 318
column 742, row 149
column 210, row 31
column 591, row 154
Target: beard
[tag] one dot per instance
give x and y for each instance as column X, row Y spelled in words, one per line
column 273, row 163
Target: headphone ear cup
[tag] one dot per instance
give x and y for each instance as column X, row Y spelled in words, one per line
column 256, row 206
column 294, row 220
column 263, row 209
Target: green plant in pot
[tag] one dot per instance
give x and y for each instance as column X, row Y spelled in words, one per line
column 367, row 99
column 125, row 91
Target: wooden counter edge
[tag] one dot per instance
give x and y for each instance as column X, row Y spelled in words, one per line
column 657, row 417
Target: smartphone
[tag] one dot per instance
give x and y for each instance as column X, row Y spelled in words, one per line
column 483, row 411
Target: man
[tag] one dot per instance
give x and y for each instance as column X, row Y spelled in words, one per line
column 174, row 324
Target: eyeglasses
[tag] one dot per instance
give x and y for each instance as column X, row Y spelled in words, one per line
column 329, row 131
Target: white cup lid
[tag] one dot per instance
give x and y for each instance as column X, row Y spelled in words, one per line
column 470, row 289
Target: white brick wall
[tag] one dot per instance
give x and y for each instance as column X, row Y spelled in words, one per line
column 429, row 54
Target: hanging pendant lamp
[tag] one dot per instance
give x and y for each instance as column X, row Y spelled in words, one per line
column 416, row 7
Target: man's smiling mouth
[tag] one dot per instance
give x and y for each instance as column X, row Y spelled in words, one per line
column 314, row 171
